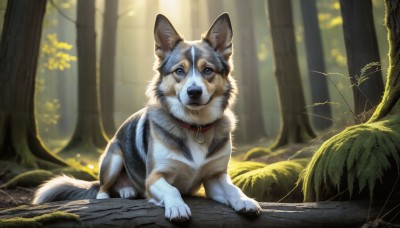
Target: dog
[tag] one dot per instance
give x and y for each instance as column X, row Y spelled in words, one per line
column 181, row 139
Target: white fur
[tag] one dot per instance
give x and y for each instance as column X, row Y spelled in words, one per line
column 169, row 197
column 221, row 189
column 206, row 115
column 191, row 172
column 193, row 52
column 127, row 193
column 50, row 187
column 102, row 195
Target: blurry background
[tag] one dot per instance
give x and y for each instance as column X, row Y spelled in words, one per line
column 258, row 100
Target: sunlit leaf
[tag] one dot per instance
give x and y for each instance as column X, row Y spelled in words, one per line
column 54, row 53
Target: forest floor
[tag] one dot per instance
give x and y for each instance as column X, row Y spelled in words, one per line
column 15, row 197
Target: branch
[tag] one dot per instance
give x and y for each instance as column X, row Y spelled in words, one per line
column 62, row 13
column 205, row 213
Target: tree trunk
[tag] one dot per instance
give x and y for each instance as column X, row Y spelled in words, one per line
column 107, row 66
column 368, row 152
column 205, row 213
column 195, row 19
column 362, row 49
column 295, row 126
column 250, row 124
column 322, row 114
column 391, row 99
column 214, row 9
column 19, row 49
column 89, row 137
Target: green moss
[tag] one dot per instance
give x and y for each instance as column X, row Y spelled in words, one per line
column 268, row 182
column 82, row 174
column 39, row 221
column 29, row 179
column 256, row 152
column 357, row 157
column 238, row 168
column 34, row 178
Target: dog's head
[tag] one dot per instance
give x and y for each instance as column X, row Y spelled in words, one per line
column 194, row 76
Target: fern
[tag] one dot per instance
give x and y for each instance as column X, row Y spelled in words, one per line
column 359, row 157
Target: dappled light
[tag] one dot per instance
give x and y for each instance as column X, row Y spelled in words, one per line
column 266, row 107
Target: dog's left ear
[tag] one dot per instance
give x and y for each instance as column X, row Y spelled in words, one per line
column 219, row 36
column 165, row 36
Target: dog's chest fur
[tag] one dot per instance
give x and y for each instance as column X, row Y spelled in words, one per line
column 185, row 162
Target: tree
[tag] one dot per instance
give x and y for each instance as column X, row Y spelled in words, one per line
column 250, row 125
column 107, row 65
column 364, row 159
column 214, row 9
column 19, row 49
column 89, row 136
column 322, row 114
column 295, row 126
column 206, row 213
column 362, row 49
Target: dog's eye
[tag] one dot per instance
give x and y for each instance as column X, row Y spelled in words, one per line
column 180, row 71
column 208, row 71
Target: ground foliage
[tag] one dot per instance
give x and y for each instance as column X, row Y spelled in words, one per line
column 271, row 182
column 41, row 220
column 356, row 158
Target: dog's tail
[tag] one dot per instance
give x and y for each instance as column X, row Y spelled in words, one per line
column 66, row 188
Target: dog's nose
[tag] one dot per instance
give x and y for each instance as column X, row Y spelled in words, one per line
column 194, row 92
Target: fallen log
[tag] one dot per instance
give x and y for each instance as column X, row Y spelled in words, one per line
column 205, row 213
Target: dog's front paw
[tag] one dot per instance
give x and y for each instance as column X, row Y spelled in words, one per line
column 178, row 212
column 246, row 206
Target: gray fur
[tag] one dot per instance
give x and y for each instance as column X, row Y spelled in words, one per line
column 158, row 120
column 66, row 188
column 126, row 138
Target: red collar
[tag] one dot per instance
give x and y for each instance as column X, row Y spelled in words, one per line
column 197, row 128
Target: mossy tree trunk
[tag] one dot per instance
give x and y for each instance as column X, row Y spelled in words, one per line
column 89, row 137
column 390, row 104
column 295, row 126
column 362, row 49
column 19, row 49
column 107, row 66
column 322, row 113
column 364, row 160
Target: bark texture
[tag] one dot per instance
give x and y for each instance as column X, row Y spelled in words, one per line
column 19, row 49
column 205, row 213
column 89, row 134
column 250, row 124
column 322, row 113
column 295, row 126
column 107, row 65
column 362, row 49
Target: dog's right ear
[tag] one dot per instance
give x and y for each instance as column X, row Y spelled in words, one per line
column 219, row 36
column 165, row 36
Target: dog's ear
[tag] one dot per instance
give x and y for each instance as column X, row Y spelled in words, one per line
column 219, row 36
column 165, row 36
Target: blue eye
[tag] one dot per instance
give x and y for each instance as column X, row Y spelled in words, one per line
column 208, row 71
column 180, row 71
